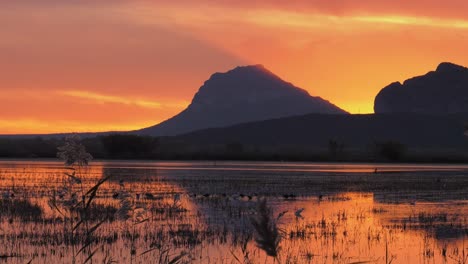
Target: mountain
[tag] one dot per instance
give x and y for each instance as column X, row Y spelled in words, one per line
column 244, row 94
column 443, row 91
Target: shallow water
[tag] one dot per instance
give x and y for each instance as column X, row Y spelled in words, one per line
column 353, row 213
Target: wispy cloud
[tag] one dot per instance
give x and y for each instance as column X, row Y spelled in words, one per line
column 105, row 98
column 36, row 126
column 271, row 17
column 414, row 21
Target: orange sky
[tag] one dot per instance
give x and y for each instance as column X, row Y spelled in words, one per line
column 73, row 66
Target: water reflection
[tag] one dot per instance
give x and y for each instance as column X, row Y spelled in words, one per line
column 352, row 213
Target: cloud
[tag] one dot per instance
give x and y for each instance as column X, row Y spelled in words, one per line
column 415, row 21
column 39, row 126
column 104, row 98
column 455, row 9
column 111, row 64
column 65, row 46
column 226, row 16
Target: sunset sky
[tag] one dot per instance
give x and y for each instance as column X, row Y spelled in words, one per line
column 85, row 65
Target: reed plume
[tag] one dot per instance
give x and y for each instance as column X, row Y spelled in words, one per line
column 268, row 236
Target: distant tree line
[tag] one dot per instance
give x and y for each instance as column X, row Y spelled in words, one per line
column 28, row 147
column 114, row 146
column 390, row 150
column 127, row 146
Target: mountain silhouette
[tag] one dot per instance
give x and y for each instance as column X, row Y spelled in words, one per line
column 244, row 94
column 443, row 91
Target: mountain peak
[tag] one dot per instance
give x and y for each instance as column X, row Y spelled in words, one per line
column 243, row 94
column 243, row 85
column 449, row 67
column 250, row 67
column 247, row 70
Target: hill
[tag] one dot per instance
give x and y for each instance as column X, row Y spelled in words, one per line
column 417, row 131
column 443, row 91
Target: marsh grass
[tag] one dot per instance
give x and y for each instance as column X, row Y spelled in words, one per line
column 20, row 208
